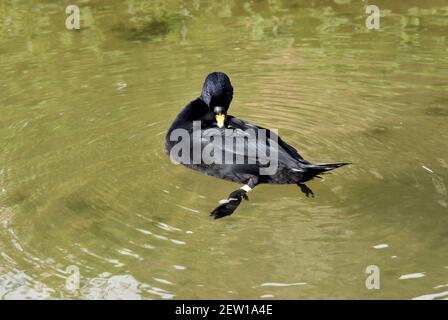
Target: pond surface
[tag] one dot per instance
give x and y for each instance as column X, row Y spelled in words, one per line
column 84, row 180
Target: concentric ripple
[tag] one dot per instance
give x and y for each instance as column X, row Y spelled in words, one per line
column 84, row 180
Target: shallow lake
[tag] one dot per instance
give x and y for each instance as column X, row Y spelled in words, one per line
column 85, row 184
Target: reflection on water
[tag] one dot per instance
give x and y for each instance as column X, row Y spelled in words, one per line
column 84, row 180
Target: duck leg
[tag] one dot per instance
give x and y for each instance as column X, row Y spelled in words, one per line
column 307, row 191
column 229, row 205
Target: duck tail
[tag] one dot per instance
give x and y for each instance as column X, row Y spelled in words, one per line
column 328, row 166
column 313, row 170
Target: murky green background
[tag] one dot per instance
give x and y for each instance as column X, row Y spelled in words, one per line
column 84, row 180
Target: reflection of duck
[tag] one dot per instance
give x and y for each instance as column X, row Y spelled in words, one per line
column 210, row 110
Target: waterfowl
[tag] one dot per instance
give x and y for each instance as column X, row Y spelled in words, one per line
column 202, row 126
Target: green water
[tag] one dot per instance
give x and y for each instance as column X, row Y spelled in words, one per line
column 84, row 180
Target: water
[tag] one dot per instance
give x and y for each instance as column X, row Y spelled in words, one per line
column 84, row 180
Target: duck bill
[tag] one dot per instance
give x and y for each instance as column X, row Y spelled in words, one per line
column 220, row 120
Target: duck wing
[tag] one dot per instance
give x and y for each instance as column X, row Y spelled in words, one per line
column 233, row 143
column 244, row 125
column 246, row 144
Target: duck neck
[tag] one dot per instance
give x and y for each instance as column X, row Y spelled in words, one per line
column 195, row 110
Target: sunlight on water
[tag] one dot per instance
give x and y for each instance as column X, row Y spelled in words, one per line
column 84, row 180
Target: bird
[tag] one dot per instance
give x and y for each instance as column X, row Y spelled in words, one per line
column 195, row 139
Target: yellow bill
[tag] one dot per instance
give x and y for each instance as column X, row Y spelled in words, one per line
column 220, row 120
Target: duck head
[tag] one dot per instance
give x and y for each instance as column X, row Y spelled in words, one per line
column 217, row 93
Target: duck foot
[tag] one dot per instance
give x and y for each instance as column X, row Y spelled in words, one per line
column 229, row 205
column 307, row 191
